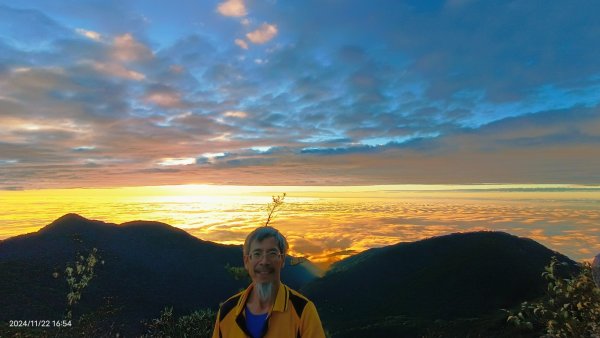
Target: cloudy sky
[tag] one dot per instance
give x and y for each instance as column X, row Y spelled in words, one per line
column 312, row 92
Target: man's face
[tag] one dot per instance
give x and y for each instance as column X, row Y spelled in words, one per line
column 265, row 261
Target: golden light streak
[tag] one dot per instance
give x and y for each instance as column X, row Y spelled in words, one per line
column 326, row 224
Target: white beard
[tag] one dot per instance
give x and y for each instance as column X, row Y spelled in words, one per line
column 265, row 291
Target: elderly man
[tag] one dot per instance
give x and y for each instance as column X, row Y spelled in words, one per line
column 267, row 308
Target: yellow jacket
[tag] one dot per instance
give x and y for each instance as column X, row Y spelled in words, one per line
column 292, row 315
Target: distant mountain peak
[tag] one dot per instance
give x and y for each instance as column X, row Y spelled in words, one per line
column 73, row 223
column 70, row 217
column 70, row 221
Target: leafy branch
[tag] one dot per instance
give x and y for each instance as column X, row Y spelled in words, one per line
column 571, row 307
column 78, row 277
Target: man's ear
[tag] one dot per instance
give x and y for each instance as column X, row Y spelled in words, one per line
column 246, row 262
column 283, row 260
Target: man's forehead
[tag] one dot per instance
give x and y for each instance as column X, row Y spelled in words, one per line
column 268, row 243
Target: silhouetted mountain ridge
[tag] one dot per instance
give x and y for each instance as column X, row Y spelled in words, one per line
column 454, row 284
column 70, row 222
column 147, row 266
column 447, row 278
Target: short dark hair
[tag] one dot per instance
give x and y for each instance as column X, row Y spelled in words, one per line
column 263, row 233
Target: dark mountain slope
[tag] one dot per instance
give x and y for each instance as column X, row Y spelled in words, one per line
column 443, row 278
column 147, row 266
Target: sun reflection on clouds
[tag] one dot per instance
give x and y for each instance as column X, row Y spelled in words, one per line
column 367, row 224
column 319, row 227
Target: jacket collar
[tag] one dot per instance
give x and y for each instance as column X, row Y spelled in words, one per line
column 280, row 305
column 281, row 299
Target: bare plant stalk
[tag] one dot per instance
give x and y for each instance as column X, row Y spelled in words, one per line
column 272, row 207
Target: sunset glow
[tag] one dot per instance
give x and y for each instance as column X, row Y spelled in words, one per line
column 326, row 224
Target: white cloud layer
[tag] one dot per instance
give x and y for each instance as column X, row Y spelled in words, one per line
column 238, row 114
column 89, row 34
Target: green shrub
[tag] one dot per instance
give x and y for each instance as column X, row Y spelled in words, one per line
column 198, row 324
column 571, row 307
column 78, row 277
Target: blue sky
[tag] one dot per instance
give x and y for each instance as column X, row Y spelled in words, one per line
column 329, row 92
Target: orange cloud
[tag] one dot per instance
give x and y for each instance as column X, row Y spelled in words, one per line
column 241, row 43
column 234, row 8
column 164, row 99
column 263, row 34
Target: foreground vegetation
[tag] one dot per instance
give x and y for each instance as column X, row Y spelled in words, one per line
column 571, row 307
